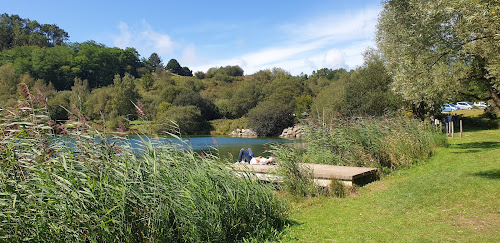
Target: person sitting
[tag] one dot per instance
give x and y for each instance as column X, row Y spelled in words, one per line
column 249, row 157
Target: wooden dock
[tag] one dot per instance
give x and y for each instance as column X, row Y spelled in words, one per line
column 323, row 174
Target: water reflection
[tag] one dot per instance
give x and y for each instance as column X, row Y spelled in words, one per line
column 225, row 147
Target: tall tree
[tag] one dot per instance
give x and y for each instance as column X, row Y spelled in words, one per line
column 16, row 31
column 434, row 50
column 154, row 62
column 124, row 95
column 173, row 66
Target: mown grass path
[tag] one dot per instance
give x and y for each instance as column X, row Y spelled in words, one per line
column 452, row 197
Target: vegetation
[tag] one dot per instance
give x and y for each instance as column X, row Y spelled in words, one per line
column 451, row 197
column 105, row 83
column 16, row 31
column 383, row 143
column 441, row 51
column 388, row 144
column 88, row 187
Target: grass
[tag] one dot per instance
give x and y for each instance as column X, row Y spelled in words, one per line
column 453, row 196
column 384, row 143
column 85, row 188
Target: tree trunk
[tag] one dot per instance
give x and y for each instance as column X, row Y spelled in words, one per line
column 495, row 96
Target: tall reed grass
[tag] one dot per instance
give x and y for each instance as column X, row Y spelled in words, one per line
column 383, row 143
column 84, row 187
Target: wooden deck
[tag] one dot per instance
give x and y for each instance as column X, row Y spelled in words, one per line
column 323, row 174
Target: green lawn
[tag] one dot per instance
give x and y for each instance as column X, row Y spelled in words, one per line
column 454, row 196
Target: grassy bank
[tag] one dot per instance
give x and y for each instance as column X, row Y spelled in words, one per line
column 454, row 196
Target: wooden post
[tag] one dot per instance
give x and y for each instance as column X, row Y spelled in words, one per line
column 452, row 129
column 441, row 127
column 447, row 129
column 460, row 128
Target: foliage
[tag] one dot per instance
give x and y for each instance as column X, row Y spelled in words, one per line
column 226, row 126
column 200, row 75
column 16, row 31
column 364, row 92
column 436, row 50
column 227, row 71
column 297, row 180
column 368, row 93
column 173, row 66
column 124, row 94
column 208, row 109
column 90, row 188
column 246, row 97
column 8, row 84
column 418, row 204
column 269, row 118
column 187, row 119
column 321, row 78
column 154, row 63
column 383, row 143
column 59, row 104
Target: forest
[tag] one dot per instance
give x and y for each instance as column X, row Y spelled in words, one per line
column 111, row 84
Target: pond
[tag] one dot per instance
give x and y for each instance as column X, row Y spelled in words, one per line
column 225, row 146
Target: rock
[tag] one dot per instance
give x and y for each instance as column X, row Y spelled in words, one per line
column 249, row 133
column 292, row 132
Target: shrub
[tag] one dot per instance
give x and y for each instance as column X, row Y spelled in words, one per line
column 269, row 118
column 226, row 126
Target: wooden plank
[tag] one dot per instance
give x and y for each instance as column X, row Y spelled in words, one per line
column 346, row 173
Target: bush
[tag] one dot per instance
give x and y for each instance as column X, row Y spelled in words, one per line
column 187, row 119
column 269, row 118
column 226, row 126
column 88, row 188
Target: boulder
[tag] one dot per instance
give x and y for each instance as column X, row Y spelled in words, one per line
column 248, row 133
column 292, row 132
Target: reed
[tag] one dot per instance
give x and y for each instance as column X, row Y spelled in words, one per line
column 85, row 186
column 384, row 143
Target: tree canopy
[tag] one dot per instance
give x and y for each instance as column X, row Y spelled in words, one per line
column 16, row 31
column 437, row 50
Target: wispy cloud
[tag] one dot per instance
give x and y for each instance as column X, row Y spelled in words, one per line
column 144, row 39
column 334, row 41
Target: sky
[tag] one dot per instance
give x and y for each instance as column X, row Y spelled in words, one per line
column 297, row 36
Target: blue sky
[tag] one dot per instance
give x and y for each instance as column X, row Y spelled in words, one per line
column 298, row 36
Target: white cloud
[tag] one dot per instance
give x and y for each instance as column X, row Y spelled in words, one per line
column 144, row 39
column 334, row 58
column 189, row 55
column 336, row 41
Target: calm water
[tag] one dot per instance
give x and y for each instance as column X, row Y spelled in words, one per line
column 225, row 146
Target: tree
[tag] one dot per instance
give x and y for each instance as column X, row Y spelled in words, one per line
column 154, row 62
column 188, row 119
column 190, row 98
column 269, row 118
column 186, row 72
column 124, row 95
column 173, row 66
column 200, row 75
column 16, row 31
column 368, row 92
column 434, row 50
